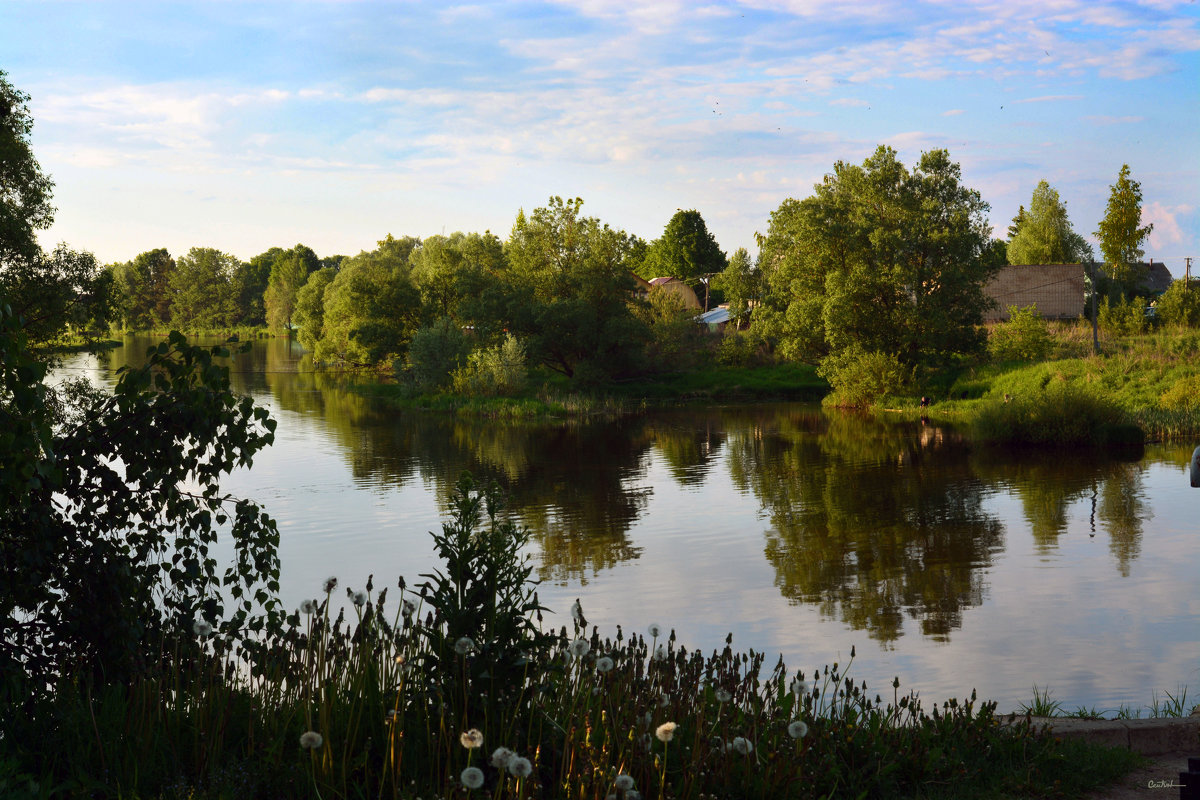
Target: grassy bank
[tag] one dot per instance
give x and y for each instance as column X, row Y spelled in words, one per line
column 556, row 396
column 457, row 689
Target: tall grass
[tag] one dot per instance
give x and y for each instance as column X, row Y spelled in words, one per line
column 1058, row 414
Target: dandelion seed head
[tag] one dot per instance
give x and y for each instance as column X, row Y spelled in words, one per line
column 359, row 598
column 623, row 783
column 501, row 756
column 464, row 646
column 202, row 627
column 800, row 687
column 330, row 584
column 604, row 664
column 660, row 653
column 472, row 777
column 408, row 608
column 311, row 740
column 664, row 700
column 666, row 731
column 471, row 739
column 742, row 745
column 307, row 607
column 655, row 630
column 579, row 648
column 520, row 767
column 723, row 696
column 798, row 729
column 577, row 611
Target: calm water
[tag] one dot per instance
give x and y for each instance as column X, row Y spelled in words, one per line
column 802, row 533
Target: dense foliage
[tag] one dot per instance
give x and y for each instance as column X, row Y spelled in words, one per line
column 1121, row 233
column 1043, row 234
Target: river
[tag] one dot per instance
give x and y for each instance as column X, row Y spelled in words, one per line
column 803, row 533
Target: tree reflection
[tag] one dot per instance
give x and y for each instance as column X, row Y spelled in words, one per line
column 871, row 522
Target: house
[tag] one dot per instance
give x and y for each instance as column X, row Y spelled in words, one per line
column 1156, row 278
column 1058, row 290
column 716, row 319
column 677, row 288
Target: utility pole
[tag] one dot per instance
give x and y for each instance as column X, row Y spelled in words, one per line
column 1187, row 281
column 1095, row 328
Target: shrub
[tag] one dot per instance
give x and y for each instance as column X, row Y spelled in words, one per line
column 1059, row 415
column 1184, row 395
column 435, row 352
column 676, row 339
column 498, row 370
column 1179, row 305
column 861, row 378
column 739, row 349
column 1024, row 337
column 1124, row 317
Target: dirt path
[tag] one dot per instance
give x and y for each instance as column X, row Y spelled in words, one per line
column 1151, row 781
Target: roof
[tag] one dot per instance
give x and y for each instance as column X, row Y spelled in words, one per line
column 714, row 317
column 661, row 281
column 1158, row 278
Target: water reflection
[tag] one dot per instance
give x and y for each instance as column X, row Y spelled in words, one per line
column 874, row 524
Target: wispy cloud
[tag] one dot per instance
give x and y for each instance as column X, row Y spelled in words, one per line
column 1051, row 98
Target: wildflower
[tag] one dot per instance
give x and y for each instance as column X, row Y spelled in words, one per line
column 624, row 783
column 307, row 607
column 800, row 687
column 798, row 729
column 666, row 731
column 520, row 767
column 472, row 777
column 723, row 696
column 501, row 756
column 655, row 630
column 660, row 653
column 311, row 740
column 359, row 598
column 742, row 745
column 471, row 739
column 330, row 584
column 577, row 612
column 201, row 627
column 579, row 648
column 604, row 664
column 464, row 646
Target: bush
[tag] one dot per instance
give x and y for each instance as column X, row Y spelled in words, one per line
column 1124, row 317
column 435, row 352
column 861, row 378
column 739, row 349
column 1179, row 305
column 676, row 339
column 1025, row 337
column 1184, row 395
column 1059, row 415
column 498, row 370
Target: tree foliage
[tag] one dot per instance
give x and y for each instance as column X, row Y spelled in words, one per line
column 289, row 270
column 572, row 289
column 686, row 250
column 202, row 290
column 1180, row 305
column 1121, row 234
column 143, row 289
column 24, row 190
column 881, row 259
column 309, row 315
column 741, row 283
column 1043, row 235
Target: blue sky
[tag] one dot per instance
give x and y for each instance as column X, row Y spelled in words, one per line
column 246, row 125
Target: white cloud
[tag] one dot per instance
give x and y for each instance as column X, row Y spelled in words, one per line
column 1050, row 98
column 954, row 112
column 1167, row 232
column 850, row 102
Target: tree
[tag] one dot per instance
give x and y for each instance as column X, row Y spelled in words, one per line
column 686, row 251
column 1044, row 235
column 289, row 271
column 109, row 503
column 572, row 292
column 371, row 307
column 143, row 289
column 741, row 283
column 24, row 190
column 309, row 316
column 1119, row 233
column 202, row 289
column 881, row 259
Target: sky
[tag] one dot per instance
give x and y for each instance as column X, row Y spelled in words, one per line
column 247, row 125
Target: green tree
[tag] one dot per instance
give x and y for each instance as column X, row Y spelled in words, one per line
column 24, row 190
column 202, row 290
column 573, row 289
column 289, row 271
column 880, row 259
column 143, row 287
column 1179, row 305
column 1045, row 235
column 371, row 308
column 686, row 251
column 1119, row 233
column 309, row 315
column 741, row 283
